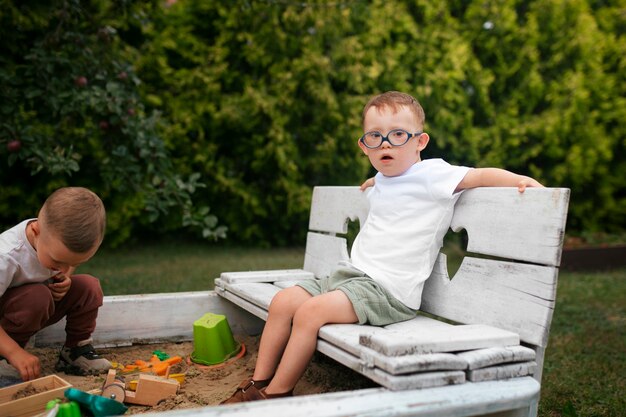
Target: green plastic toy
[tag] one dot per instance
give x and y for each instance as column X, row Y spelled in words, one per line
column 99, row 406
column 64, row 409
column 161, row 355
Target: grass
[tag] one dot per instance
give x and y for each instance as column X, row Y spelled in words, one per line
column 177, row 266
column 585, row 368
column 585, row 365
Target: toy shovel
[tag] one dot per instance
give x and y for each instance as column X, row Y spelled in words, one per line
column 99, row 406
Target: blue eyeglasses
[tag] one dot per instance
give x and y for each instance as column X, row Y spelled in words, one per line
column 396, row 137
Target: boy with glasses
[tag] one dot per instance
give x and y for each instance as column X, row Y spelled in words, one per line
column 411, row 206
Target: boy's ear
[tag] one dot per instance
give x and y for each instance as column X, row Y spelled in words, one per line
column 34, row 226
column 422, row 141
column 364, row 148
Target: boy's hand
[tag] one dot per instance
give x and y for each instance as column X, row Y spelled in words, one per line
column 26, row 364
column 60, row 286
column 527, row 182
column 368, row 183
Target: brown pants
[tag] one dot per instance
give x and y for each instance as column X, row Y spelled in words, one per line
column 26, row 309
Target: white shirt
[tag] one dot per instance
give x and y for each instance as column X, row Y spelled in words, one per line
column 408, row 218
column 18, row 259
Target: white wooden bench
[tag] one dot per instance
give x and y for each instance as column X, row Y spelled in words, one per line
column 479, row 348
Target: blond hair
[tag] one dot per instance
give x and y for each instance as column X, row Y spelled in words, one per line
column 394, row 100
column 76, row 216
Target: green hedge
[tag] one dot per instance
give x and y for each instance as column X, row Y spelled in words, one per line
column 72, row 115
column 263, row 99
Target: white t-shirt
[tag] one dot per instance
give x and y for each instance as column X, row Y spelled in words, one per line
column 408, row 218
column 19, row 264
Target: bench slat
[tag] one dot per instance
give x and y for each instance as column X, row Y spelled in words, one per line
column 510, row 296
column 417, row 324
column 340, row 355
column 482, row 358
column 259, row 294
column 406, row 364
column 414, row 381
column 331, row 207
column 286, row 284
column 265, row 276
column 346, row 336
column 493, row 373
column 323, row 253
column 439, row 339
column 488, row 215
column 246, row 305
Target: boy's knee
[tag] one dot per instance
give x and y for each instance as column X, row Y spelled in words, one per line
column 88, row 288
column 32, row 308
column 287, row 301
column 306, row 317
column 280, row 304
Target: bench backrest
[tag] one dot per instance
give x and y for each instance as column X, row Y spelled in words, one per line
column 522, row 234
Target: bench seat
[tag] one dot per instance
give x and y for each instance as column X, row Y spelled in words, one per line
column 483, row 332
column 418, row 353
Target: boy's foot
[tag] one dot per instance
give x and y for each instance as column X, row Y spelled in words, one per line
column 267, row 396
column 82, row 360
column 248, row 390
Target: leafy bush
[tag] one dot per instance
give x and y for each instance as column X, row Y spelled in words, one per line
column 265, row 97
column 72, row 114
column 262, row 99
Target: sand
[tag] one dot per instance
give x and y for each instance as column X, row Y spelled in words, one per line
column 208, row 387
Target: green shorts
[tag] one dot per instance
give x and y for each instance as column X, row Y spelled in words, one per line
column 371, row 302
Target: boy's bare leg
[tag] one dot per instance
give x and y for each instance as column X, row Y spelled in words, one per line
column 331, row 307
column 277, row 330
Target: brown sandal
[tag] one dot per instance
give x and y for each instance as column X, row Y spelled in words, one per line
column 248, row 390
column 267, row 396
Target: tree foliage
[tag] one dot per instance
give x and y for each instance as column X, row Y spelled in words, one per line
column 262, row 98
column 72, row 114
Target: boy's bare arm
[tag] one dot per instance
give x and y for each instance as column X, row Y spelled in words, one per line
column 496, row 177
column 26, row 364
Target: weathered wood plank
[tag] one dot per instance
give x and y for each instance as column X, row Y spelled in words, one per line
column 246, row 305
column 511, row 370
column 286, row 284
column 323, row 253
column 515, row 297
column 417, row 324
column 346, row 336
column 406, row 364
column 393, row 382
column 483, row 358
column 439, row 339
column 331, row 207
column 415, row 380
column 340, row 355
column 265, row 276
column 148, row 318
column 258, row 293
column 488, row 215
column 469, row 399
